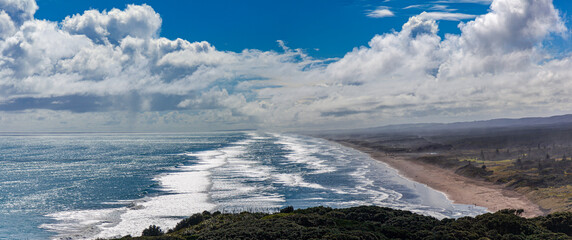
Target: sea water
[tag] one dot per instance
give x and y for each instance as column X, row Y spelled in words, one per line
column 87, row 186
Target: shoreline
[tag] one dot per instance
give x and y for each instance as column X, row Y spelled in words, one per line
column 459, row 189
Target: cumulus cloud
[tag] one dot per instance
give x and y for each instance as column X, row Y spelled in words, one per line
column 512, row 25
column 19, row 10
column 7, row 26
column 112, row 69
column 111, row 27
column 414, row 74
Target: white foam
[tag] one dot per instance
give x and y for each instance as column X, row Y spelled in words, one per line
column 304, row 153
column 296, row 180
column 83, row 224
column 234, row 179
column 188, row 188
column 244, row 182
column 164, row 211
column 255, row 136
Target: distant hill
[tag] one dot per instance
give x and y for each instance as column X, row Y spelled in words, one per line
column 562, row 121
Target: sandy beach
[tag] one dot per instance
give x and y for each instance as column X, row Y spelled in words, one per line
column 458, row 188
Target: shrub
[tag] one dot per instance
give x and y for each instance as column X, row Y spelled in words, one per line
column 288, row 209
column 191, row 221
column 153, row 230
column 559, row 222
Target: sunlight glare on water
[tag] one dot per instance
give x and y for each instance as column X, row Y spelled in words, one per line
column 87, row 186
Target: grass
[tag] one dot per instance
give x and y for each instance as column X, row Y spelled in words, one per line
column 553, row 197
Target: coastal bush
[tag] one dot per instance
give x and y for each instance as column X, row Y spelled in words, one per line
column 190, row 221
column 288, row 209
column 366, row 222
column 472, row 171
column 559, row 222
column 153, row 230
column 336, row 214
column 341, row 236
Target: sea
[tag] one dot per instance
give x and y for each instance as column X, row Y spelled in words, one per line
column 103, row 185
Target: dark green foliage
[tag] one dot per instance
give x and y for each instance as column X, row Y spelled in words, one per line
column 470, row 170
column 558, row 222
column 341, row 236
column 153, row 231
column 191, row 221
column 368, row 223
column 288, row 209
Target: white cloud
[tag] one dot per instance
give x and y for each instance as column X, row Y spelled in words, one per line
column 440, row 12
column 7, row 26
column 110, row 27
column 214, row 99
column 415, row 6
column 446, row 16
column 440, row 7
column 19, row 10
column 380, row 12
column 485, row 2
column 112, row 70
column 413, row 74
column 512, row 25
column 436, row 7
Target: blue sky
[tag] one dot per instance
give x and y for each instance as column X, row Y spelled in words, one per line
column 333, row 27
column 279, row 65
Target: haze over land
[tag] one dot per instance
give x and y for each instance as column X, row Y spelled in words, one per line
column 110, row 70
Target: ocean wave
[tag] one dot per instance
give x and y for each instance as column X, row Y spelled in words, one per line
column 260, row 172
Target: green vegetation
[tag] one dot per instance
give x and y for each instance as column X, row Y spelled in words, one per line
column 366, row 222
column 153, row 231
column 531, row 171
column 536, row 162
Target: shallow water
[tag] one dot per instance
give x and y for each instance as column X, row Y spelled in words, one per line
column 84, row 186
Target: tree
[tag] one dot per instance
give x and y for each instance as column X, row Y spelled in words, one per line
column 153, row 230
column 190, row 221
column 287, row 209
column 559, row 222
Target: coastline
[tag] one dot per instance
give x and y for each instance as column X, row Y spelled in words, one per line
column 459, row 189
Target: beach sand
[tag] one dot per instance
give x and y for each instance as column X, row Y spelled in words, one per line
column 458, row 188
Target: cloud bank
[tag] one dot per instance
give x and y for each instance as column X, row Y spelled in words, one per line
column 111, row 70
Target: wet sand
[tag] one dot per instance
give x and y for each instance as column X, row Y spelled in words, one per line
column 458, row 188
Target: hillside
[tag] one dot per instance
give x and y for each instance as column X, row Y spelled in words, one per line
column 364, row 222
column 531, row 156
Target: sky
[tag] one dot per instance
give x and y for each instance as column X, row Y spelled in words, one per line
column 279, row 65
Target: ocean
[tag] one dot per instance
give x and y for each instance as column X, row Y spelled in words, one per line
column 95, row 185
